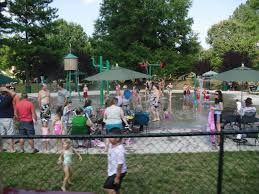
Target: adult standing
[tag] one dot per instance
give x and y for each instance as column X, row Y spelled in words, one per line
column 25, row 112
column 62, row 96
column 126, row 96
column 7, row 113
column 44, row 101
column 218, row 108
column 155, row 102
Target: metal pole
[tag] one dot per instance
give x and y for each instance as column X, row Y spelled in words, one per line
column 69, row 84
column 107, row 82
column 67, row 76
column 220, row 163
column 101, row 83
column 77, row 84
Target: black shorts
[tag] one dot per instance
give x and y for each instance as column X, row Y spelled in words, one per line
column 109, row 183
column 26, row 128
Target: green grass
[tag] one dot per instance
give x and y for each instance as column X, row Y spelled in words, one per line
column 147, row 173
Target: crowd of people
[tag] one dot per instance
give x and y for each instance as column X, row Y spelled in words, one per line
column 18, row 114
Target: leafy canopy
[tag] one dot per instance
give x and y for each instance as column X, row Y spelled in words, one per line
column 132, row 31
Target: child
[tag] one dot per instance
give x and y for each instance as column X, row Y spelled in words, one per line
column 88, row 109
column 118, row 90
column 166, row 114
column 117, row 168
column 66, row 159
column 67, row 116
column 45, row 131
column 85, row 92
column 58, row 128
column 169, row 88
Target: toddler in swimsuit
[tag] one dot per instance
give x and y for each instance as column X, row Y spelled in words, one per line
column 45, row 131
column 66, row 160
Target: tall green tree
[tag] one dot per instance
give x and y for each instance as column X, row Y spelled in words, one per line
column 236, row 38
column 131, row 31
column 31, row 20
column 66, row 36
column 4, row 21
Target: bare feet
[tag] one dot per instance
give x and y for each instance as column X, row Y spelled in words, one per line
column 63, row 188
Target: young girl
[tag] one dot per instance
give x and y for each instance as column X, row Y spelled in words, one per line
column 169, row 88
column 58, row 129
column 118, row 89
column 167, row 114
column 85, row 92
column 45, row 131
column 67, row 116
column 66, row 159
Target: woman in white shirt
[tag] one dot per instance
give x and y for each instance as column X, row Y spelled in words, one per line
column 113, row 116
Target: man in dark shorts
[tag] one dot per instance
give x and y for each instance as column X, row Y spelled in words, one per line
column 117, row 167
column 25, row 112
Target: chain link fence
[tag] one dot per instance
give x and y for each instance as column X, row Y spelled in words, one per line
column 157, row 163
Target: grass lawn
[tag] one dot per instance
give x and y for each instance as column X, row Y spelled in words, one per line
column 147, row 173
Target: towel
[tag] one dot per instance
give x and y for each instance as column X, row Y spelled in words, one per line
column 211, row 125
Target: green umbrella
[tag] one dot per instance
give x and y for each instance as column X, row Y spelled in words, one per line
column 240, row 74
column 5, row 79
column 117, row 73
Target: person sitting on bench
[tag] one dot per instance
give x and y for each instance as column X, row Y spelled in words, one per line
column 248, row 110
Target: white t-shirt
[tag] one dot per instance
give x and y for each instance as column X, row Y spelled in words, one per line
column 248, row 111
column 113, row 114
column 116, row 155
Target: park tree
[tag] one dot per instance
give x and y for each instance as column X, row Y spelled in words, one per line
column 65, row 37
column 31, row 20
column 235, row 41
column 4, row 20
column 132, row 31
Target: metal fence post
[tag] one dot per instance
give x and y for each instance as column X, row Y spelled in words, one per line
column 220, row 163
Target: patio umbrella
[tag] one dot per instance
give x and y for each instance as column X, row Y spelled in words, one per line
column 117, row 73
column 5, row 79
column 240, row 74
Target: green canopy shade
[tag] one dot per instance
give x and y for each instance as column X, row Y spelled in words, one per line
column 5, row 79
column 240, row 74
column 117, row 73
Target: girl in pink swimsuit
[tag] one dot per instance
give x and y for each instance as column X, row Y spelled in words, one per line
column 58, row 129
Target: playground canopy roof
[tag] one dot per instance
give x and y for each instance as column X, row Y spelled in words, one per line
column 117, row 73
column 239, row 74
column 70, row 56
column 209, row 74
